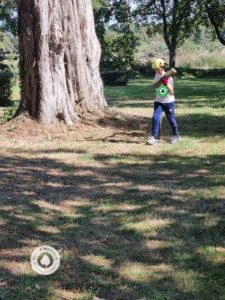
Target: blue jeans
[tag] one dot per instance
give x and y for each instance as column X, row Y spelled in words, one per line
column 168, row 108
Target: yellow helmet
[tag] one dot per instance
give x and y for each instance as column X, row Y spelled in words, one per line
column 157, row 63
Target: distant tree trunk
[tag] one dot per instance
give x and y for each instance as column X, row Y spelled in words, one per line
column 60, row 56
column 172, row 54
column 170, row 42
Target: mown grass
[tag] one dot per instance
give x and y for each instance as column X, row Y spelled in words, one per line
column 131, row 221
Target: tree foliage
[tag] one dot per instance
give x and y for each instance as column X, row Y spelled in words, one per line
column 8, row 48
column 213, row 12
column 113, row 20
column 102, row 13
column 173, row 19
column 8, row 16
column 8, row 28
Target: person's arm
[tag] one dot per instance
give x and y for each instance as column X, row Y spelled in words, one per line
column 170, row 86
column 163, row 80
column 158, row 82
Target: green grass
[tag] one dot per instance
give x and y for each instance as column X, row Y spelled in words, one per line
column 131, row 221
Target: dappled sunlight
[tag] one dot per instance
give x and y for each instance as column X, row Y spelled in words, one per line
column 66, row 206
column 23, row 217
column 70, row 295
column 187, row 281
column 129, row 220
column 114, row 216
column 167, row 209
column 140, row 94
column 211, row 221
column 48, row 229
column 147, row 225
column 116, row 207
column 23, row 268
column 157, row 245
column 212, row 254
column 98, row 260
column 139, row 272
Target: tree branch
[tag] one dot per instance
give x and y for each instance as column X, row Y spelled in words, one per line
column 213, row 22
column 165, row 25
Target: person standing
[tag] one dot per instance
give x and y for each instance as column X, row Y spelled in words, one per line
column 163, row 103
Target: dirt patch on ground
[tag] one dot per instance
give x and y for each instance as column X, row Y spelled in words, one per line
column 111, row 125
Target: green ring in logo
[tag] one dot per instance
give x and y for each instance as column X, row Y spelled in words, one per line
column 162, row 91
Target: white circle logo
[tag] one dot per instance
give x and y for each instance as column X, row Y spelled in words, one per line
column 45, row 260
column 162, row 91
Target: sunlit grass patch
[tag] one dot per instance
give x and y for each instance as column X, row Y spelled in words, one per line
column 144, row 273
column 187, row 281
column 157, row 245
column 146, row 225
column 98, row 261
column 215, row 254
column 48, row 229
column 71, row 295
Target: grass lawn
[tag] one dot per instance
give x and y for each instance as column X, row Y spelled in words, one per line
column 131, row 221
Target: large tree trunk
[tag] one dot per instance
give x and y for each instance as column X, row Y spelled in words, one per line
column 60, row 56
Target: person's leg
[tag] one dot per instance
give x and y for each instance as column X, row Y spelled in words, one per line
column 169, row 111
column 158, row 110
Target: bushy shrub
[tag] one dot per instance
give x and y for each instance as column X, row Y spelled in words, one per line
column 144, row 69
column 189, row 72
column 214, row 73
column 115, row 77
column 6, row 78
column 11, row 111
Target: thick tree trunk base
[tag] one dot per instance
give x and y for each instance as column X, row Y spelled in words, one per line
column 60, row 56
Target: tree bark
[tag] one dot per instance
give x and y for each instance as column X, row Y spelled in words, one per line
column 60, row 56
column 168, row 41
column 172, row 54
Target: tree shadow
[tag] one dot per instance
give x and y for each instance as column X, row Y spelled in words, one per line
column 128, row 226
column 190, row 93
column 136, row 128
column 201, row 125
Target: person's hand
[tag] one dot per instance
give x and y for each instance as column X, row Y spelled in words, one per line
column 165, row 80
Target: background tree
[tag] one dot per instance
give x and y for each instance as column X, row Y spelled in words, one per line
column 8, row 16
column 60, row 56
column 214, row 14
column 174, row 19
column 8, row 28
column 114, row 29
column 8, row 49
column 102, row 14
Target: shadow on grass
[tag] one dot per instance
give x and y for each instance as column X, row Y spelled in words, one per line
column 136, row 128
column 202, row 125
column 191, row 93
column 208, row 92
column 128, row 226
